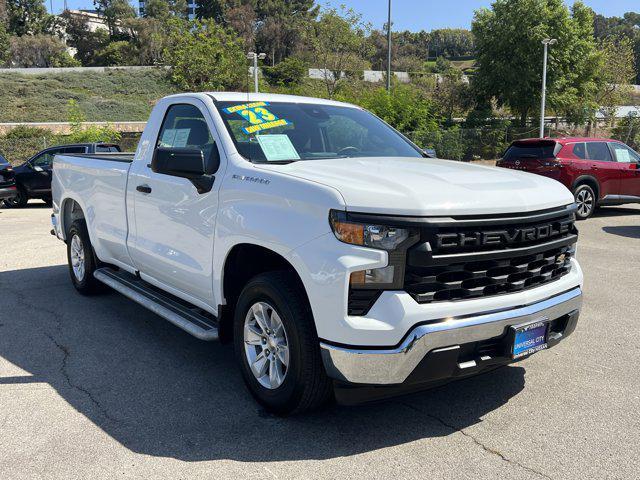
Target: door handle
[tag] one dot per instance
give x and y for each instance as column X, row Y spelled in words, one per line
column 143, row 188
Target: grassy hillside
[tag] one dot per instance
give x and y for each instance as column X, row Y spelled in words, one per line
column 109, row 96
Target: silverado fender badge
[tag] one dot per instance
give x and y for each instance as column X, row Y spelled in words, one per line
column 246, row 178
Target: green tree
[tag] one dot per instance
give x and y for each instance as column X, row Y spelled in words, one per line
column 163, row 9
column 210, row 9
column 205, row 56
column 338, row 43
column 451, row 42
column 627, row 26
column 617, row 71
column 86, row 42
column 4, row 44
column 26, row 17
column 508, row 41
column 114, row 12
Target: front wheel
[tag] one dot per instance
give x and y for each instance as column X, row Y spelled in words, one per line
column 586, row 200
column 277, row 346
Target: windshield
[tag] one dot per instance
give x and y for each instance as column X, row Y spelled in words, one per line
column 3, row 161
column 284, row 132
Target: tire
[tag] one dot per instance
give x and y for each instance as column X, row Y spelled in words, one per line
column 82, row 260
column 300, row 385
column 586, row 199
column 19, row 201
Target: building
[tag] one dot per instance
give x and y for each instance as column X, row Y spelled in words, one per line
column 191, row 8
column 91, row 18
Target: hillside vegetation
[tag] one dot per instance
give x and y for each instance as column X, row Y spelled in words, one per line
column 117, row 95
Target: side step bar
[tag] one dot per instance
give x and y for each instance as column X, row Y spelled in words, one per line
column 178, row 312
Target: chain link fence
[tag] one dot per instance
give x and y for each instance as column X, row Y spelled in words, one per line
column 484, row 143
column 18, row 150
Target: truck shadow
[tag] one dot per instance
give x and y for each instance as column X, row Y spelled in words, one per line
column 605, row 212
column 629, row 231
column 160, row 392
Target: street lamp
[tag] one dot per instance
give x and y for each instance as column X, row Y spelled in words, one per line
column 255, row 56
column 546, row 42
column 389, row 49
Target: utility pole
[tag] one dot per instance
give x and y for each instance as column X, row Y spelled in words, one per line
column 546, row 42
column 389, row 49
column 255, row 56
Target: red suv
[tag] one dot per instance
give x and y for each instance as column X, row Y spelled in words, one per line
column 597, row 171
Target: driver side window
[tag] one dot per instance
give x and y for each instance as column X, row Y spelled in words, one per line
column 624, row 154
column 184, row 126
column 44, row 160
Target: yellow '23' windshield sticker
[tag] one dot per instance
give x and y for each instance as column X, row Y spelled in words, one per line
column 259, row 117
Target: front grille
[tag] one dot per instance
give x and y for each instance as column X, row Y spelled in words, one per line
column 459, row 259
column 465, row 280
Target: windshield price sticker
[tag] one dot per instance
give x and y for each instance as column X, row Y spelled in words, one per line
column 259, row 117
column 277, row 147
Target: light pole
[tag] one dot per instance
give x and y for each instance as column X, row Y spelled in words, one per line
column 546, row 42
column 255, row 56
column 389, row 49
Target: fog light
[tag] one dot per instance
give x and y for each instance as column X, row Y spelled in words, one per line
column 372, row 277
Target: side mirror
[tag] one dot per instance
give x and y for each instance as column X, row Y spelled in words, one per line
column 36, row 168
column 189, row 163
column 430, row 153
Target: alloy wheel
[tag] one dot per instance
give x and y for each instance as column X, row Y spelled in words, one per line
column 585, row 202
column 266, row 346
column 77, row 258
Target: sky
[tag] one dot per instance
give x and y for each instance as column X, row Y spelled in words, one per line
column 416, row 14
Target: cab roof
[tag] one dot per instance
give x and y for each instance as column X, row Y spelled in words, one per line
column 271, row 97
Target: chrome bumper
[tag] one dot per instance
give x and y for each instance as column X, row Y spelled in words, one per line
column 392, row 366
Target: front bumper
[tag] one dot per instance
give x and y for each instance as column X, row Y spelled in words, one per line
column 441, row 349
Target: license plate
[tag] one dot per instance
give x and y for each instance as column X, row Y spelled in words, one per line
column 529, row 338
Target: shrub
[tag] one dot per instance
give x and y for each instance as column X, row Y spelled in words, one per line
column 39, row 51
column 406, row 108
column 289, row 72
column 628, row 131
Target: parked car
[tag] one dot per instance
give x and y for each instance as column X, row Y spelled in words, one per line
column 334, row 254
column 7, row 182
column 597, row 171
column 33, row 177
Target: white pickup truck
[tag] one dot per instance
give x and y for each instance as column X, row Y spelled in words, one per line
column 337, row 257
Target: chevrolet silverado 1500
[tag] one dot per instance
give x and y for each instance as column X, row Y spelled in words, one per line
column 337, row 257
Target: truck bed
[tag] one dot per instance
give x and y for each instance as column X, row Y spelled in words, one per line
column 98, row 183
column 126, row 157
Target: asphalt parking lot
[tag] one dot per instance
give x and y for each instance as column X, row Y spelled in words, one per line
column 100, row 388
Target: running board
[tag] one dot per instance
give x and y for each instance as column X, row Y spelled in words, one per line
column 178, row 312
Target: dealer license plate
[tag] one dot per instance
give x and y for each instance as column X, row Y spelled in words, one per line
column 529, row 338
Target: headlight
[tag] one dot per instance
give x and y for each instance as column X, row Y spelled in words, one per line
column 368, row 235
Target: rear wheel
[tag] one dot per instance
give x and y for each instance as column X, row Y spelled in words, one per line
column 277, row 346
column 82, row 260
column 586, row 200
column 19, row 201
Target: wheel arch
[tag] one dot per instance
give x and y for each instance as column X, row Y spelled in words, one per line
column 70, row 211
column 587, row 180
column 243, row 262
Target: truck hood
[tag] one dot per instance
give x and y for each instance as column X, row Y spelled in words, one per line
column 425, row 187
